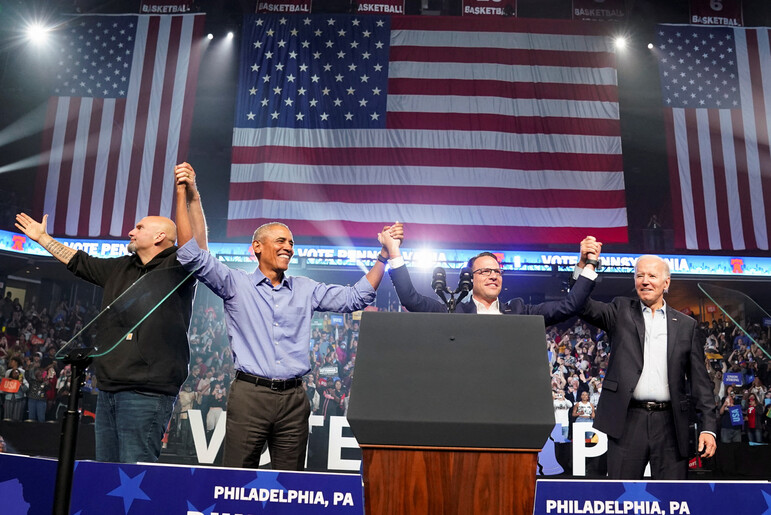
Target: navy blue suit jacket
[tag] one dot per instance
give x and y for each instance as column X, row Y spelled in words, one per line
column 553, row 312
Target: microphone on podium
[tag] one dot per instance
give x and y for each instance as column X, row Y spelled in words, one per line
column 439, row 283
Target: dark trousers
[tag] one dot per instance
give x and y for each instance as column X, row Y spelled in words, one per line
column 259, row 415
column 648, row 436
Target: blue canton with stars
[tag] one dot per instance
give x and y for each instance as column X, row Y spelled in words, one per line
column 317, row 71
column 95, row 56
column 697, row 66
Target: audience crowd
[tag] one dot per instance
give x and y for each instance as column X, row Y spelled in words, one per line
column 36, row 385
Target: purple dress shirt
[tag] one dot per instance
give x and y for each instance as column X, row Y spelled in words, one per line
column 269, row 327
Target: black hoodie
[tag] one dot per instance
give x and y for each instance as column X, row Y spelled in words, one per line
column 155, row 357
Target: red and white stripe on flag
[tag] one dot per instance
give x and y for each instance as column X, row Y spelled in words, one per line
column 118, row 122
column 716, row 88
column 496, row 131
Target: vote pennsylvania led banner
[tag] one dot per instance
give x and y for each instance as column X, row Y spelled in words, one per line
column 336, row 256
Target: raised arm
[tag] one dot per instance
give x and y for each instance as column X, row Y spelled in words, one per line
column 191, row 222
column 375, row 274
column 36, row 231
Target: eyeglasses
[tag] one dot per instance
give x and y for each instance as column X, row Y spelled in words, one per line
column 486, row 272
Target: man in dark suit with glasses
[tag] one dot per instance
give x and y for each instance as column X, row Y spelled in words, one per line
column 487, row 282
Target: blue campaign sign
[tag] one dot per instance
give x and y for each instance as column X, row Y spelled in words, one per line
column 736, row 415
column 26, row 484
column 556, row 497
column 734, row 378
column 122, row 489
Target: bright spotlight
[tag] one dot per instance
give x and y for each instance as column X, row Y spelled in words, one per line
column 650, row 46
column 230, row 35
column 620, row 42
column 37, row 33
column 210, row 36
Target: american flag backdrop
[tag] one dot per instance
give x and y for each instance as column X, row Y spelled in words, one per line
column 716, row 89
column 478, row 131
column 118, row 122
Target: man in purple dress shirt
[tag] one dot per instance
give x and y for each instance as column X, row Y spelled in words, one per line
column 268, row 316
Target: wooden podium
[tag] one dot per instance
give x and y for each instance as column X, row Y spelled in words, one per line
column 450, row 412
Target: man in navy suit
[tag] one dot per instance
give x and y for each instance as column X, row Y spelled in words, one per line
column 656, row 359
column 487, row 282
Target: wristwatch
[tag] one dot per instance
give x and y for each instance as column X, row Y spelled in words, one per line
column 597, row 263
column 382, row 259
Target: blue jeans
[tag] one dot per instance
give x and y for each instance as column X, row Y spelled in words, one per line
column 37, row 409
column 130, row 425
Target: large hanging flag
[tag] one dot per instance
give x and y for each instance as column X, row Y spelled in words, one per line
column 118, row 122
column 716, row 84
column 477, row 131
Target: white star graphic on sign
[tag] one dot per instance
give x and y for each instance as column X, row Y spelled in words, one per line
column 293, row 55
column 315, row 78
column 268, row 55
column 274, row 115
column 327, row 67
column 341, row 33
column 255, row 68
column 280, row 66
column 351, row 91
column 338, row 102
column 365, row 55
column 324, row 116
column 379, row 44
column 366, row 33
column 325, row 91
column 266, row 78
column 374, row 116
column 301, row 91
column 380, row 23
column 363, row 102
column 293, row 32
column 264, row 102
column 300, row 116
column 355, row 23
column 270, row 32
column 341, row 54
column 303, row 67
column 376, row 91
column 352, row 67
column 331, row 21
column 354, row 44
column 277, row 90
column 317, row 32
column 289, row 101
column 339, row 78
column 290, row 77
column 348, row 116
column 253, row 91
column 306, row 43
column 282, row 43
column 378, row 67
column 306, row 21
column 250, row 115
column 282, row 21
column 330, row 44
column 313, row 102
column 317, row 55
column 364, row 78
column 259, row 22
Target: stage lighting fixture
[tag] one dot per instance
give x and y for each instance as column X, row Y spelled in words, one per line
column 620, row 42
column 650, row 46
column 210, row 36
column 230, row 35
column 37, row 33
